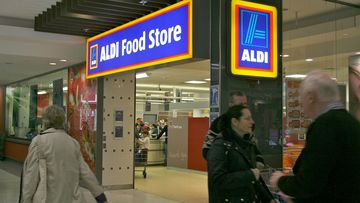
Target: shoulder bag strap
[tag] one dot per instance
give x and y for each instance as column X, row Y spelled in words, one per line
column 241, row 151
column 21, row 181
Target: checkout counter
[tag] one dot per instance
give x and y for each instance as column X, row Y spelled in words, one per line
column 156, row 152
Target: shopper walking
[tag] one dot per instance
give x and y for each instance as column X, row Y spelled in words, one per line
column 54, row 166
column 327, row 170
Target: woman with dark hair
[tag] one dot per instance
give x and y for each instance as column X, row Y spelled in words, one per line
column 232, row 173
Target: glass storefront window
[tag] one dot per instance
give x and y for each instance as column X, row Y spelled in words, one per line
column 26, row 100
column 317, row 35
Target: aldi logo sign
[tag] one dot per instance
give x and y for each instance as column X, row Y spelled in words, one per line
column 93, row 56
column 160, row 37
column 254, row 39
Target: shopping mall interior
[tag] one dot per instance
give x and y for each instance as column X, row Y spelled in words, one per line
column 43, row 48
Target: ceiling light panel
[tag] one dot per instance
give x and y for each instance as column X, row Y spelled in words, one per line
column 195, row 82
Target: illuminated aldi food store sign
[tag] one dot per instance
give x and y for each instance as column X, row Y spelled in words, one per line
column 253, row 39
column 160, row 37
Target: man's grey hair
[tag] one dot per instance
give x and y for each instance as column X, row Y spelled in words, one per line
column 54, row 117
column 322, row 85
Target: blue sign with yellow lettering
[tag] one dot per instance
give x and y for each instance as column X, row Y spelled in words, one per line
column 160, row 37
column 254, row 39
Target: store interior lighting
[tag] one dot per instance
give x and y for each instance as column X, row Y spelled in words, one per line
column 295, row 76
column 141, row 75
column 161, row 87
column 41, row 92
column 195, row 82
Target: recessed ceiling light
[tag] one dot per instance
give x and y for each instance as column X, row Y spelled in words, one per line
column 195, row 82
column 52, row 64
column 143, row 2
column 41, row 92
column 295, row 76
column 285, row 55
column 63, row 60
column 141, row 75
column 207, row 79
column 357, row 52
column 309, row 60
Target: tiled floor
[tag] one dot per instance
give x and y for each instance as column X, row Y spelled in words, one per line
column 162, row 185
column 9, row 187
column 176, row 184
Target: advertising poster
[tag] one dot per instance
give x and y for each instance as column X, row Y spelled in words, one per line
column 82, row 112
column 296, row 124
column 214, row 94
column 43, row 102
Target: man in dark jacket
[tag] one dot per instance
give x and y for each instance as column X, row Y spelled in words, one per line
column 327, row 169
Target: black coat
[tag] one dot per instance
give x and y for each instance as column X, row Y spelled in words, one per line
column 229, row 176
column 328, row 168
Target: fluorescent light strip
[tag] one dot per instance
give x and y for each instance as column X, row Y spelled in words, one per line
column 42, row 92
column 187, row 99
column 195, row 82
column 172, row 87
column 295, row 76
column 152, row 91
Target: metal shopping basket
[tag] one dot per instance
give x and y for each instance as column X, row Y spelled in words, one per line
column 266, row 174
column 141, row 156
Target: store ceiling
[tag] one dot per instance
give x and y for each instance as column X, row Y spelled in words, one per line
column 92, row 17
column 308, row 33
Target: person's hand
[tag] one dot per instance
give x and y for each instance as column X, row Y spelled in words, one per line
column 256, row 173
column 285, row 197
column 259, row 165
column 275, row 178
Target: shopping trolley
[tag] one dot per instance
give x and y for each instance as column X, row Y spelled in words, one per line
column 141, row 156
column 266, row 174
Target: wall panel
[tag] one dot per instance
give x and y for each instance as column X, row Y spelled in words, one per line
column 118, row 131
